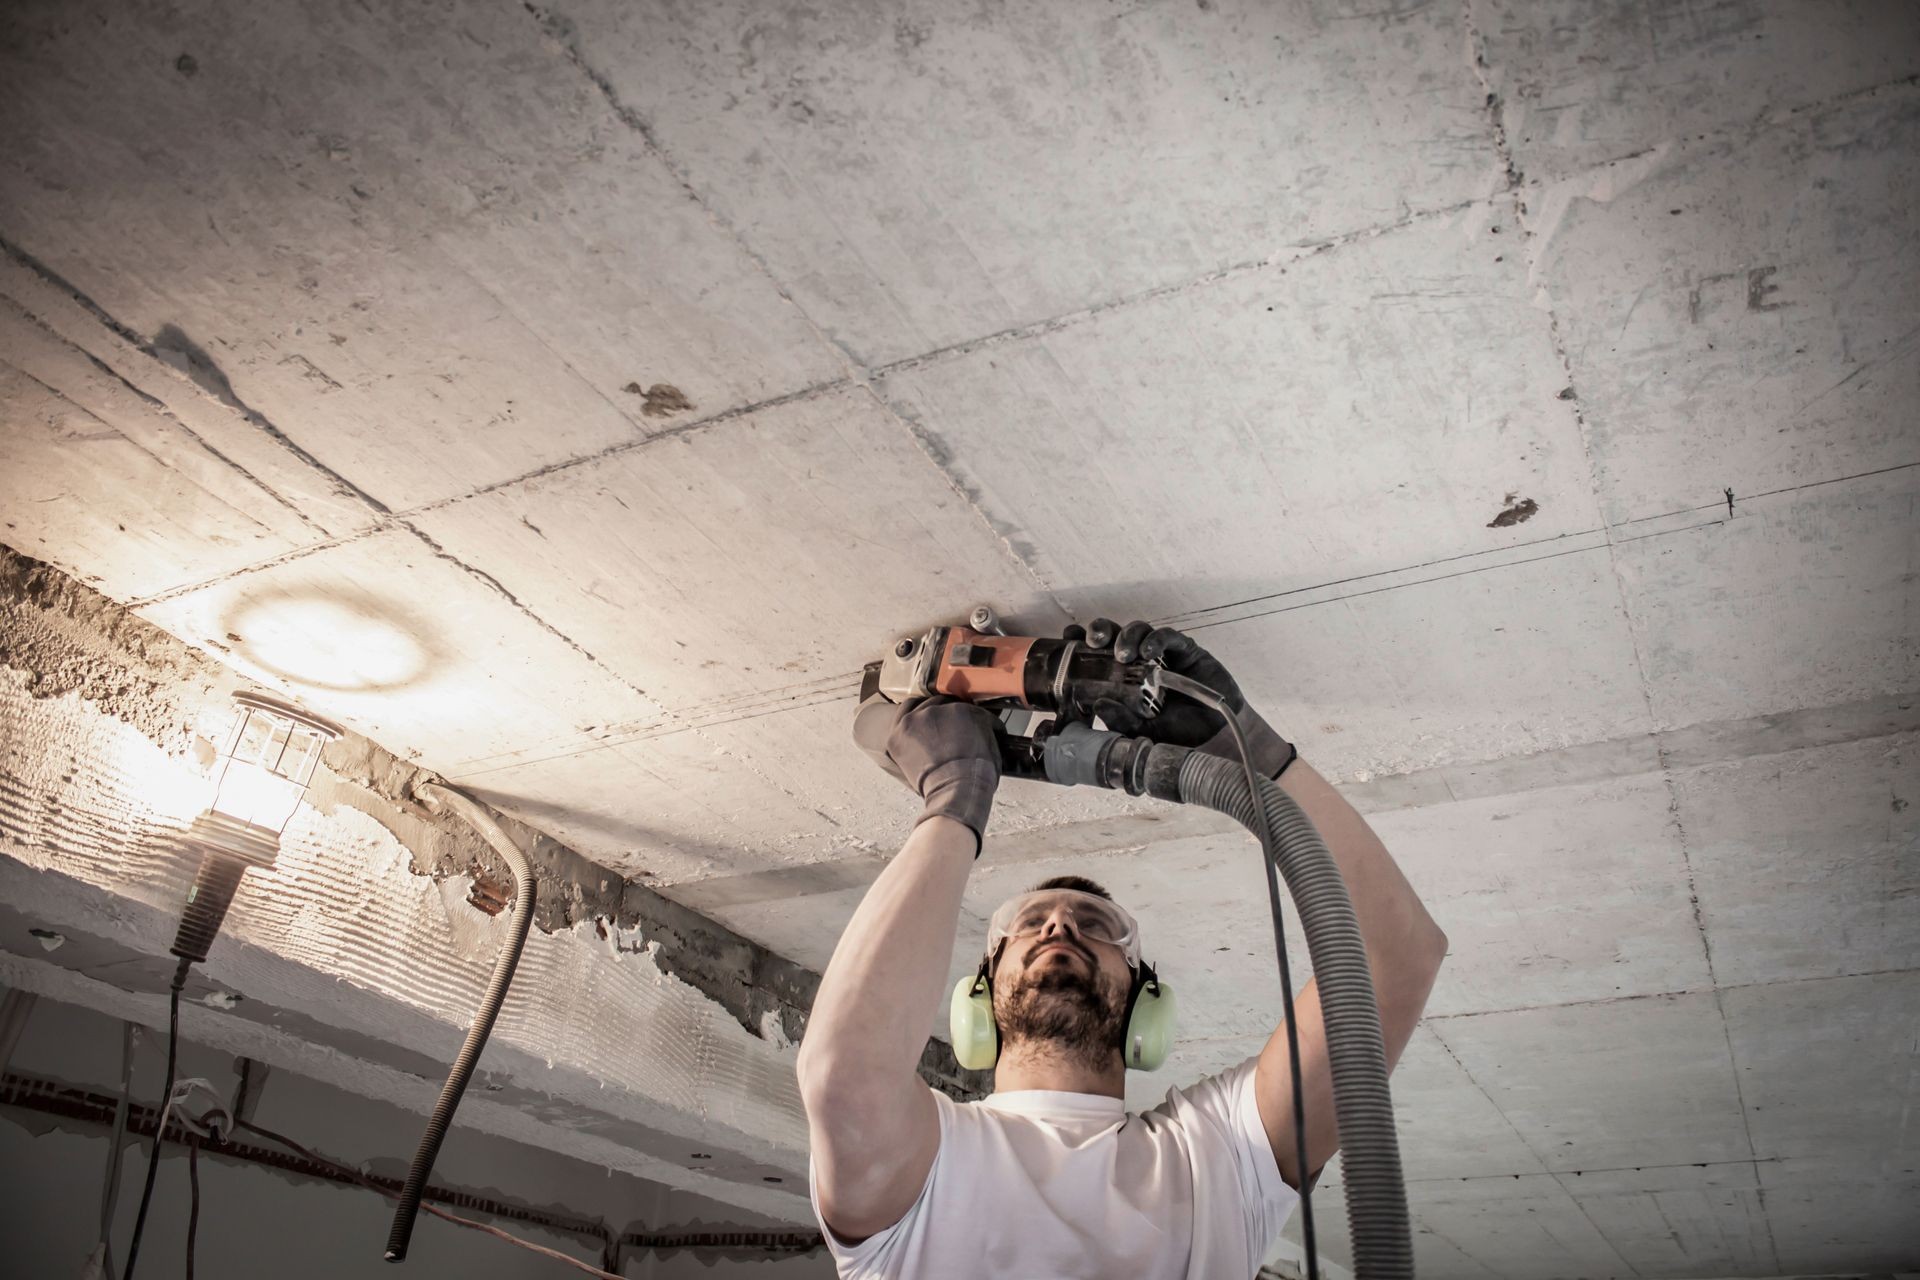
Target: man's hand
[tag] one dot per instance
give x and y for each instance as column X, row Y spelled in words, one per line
column 1182, row 721
column 944, row 749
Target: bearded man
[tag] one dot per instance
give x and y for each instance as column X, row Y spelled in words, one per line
column 1050, row 1176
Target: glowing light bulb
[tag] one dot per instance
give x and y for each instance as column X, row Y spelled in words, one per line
column 265, row 767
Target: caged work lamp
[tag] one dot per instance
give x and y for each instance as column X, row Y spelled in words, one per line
column 264, row 769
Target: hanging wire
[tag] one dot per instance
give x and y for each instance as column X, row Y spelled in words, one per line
column 159, row 1131
column 193, row 1208
column 435, row 1210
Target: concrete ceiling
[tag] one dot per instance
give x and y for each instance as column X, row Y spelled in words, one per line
column 1520, row 398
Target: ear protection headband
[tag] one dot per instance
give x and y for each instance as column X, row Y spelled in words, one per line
column 1144, row 1045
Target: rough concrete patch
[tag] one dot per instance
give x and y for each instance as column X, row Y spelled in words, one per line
column 1517, row 512
column 67, row 638
column 663, row 399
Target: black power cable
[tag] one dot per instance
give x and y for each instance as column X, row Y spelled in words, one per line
column 166, row 1096
column 193, row 1208
column 1201, row 693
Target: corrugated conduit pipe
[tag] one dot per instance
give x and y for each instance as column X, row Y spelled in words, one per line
column 526, row 889
column 1376, row 1194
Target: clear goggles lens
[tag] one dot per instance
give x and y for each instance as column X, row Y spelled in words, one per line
column 1092, row 917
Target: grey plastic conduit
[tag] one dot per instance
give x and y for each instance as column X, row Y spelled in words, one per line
column 526, row 889
column 1376, row 1192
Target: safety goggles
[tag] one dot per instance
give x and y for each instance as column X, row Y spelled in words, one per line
column 1093, row 918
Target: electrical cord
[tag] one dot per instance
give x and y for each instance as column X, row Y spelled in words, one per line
column 1209, row 697
column 526, row 890
column 456, row 1219
column 166, row 1105
column 193, row 1207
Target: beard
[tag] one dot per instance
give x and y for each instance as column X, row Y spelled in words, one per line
column 1067, row 1012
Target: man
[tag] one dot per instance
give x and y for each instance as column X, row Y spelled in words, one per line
column 1049, row 1176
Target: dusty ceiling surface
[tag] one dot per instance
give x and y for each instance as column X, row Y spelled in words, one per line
column 1520, row 398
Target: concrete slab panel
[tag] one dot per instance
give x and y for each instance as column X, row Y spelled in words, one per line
column 1477, row 1228
column 404, row 646
column 1274, row 430
column 1802, row 599
column 382, row 245
column 1582, row 83
column 1831, row 1068
column 750, row 565
column 1458, row 669
column 103, row 367
column 1643, row 1081
column 921, row 176
column 1553, row 896
column 119, row 495
column 1808, row 863
column 1763, row 291
column 1831, row 1214
column 1449, row 1128
column 1718, row 1229
column 662, row 809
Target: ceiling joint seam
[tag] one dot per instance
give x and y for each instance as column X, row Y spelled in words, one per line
column 157, row 406
column 938, row 458
column 681, row 431
column 224, row 392
column 379, row 526
column 1282, row 257
column 559, row 29
column 499, row 588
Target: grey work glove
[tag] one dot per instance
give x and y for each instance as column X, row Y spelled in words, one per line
column 1182, row 721
column 943, row 748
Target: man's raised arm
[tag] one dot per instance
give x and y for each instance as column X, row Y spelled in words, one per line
column 1404, row 945
column 870, row 1120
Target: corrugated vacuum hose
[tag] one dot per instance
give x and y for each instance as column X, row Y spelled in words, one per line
column 526, row 888
column 1376, row 1192
column 1080, row 755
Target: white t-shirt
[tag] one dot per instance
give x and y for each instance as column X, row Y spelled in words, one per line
column 1039, row 1185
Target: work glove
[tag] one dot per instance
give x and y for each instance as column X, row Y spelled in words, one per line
column 1182, row 721
column 945, row 749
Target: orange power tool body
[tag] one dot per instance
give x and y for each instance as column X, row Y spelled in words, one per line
column 1037, row 684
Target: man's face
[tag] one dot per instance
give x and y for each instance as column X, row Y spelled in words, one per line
column 1052, row 982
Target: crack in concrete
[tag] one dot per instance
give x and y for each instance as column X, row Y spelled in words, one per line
column 499, row 588
column 1282, row 257
column 1516, row 183
column 814, row 391
column 199, row 368
column 381, row 525
column 174, row 348
column 560, row 29
column 154, row 404
column 1599, row 1001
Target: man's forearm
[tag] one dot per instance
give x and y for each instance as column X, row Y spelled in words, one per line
column 869, row 1018
column 1404, row 945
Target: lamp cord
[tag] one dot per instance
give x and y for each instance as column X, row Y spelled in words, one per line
column 166, row 1106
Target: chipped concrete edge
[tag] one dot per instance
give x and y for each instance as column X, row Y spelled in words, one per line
column 69, row 639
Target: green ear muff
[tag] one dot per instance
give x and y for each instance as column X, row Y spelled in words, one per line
column 976, row 1039
column 1149, row 1023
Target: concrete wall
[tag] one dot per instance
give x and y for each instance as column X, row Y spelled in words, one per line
column 257, row 1221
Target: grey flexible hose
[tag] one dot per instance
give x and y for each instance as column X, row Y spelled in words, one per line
column 526, row 888
column 1376, row 1193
